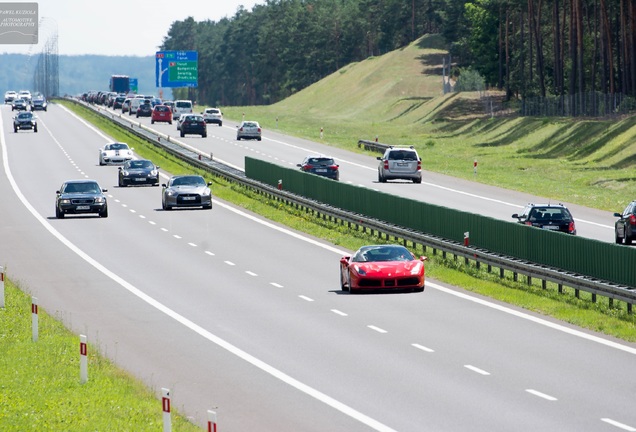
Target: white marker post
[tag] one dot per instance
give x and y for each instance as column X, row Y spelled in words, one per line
column 83, row 360
column 34, row 318
column 165, row 401
column 211, row 421
column 1, row 287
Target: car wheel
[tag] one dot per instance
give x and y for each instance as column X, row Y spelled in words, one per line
column 419, row 289
column 617, row 239
column 259, row 138
column 220, row 124
column 238, row 138
column 170, row 122
column 35, row 129
column 343, row 286
column 381, row 178
column 58, row 213
column 104, row 213
column 204, row 135
column 208, row 207
column 628, row 239
column 121, row 182
column 152, row 122
column 182, row 134
column 417, row 181
column 15, row 130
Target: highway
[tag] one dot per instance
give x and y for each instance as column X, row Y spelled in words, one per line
column 243, row 316
column 361, row 170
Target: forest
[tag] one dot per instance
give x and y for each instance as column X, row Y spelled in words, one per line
column 527, row 49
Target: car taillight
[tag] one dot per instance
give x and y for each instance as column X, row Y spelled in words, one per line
column 632, row 219
column 308, row 167
column 334, row 167
column 386, row 164
column 571, row 227
column 241, row 129
column 259, row 129
column 529, row 223
column 419, row 165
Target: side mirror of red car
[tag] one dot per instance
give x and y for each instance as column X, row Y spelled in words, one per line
column 423, row 258
column 344, row 261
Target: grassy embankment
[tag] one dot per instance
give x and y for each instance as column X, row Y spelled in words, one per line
column 395, row 97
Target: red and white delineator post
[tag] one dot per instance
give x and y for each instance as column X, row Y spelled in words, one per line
column 211, row 421
column 83, row 360
column 1, row 287
column 165, row 405
column 34, row 318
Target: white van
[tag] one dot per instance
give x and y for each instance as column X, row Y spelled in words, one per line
column 181, row 107
column 135, row 102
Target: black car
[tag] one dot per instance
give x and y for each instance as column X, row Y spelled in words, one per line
column 25, row 120
column 553, row 217
column 118, row 102
column 38, row 103
column 321, row 165
column 140, row 171
column 625, row 227
column 144, row 110
column 80, row 197
column 19, row 104
column 193, row 124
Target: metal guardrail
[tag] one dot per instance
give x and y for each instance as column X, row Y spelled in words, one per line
column 373, row 146
column 480, row 256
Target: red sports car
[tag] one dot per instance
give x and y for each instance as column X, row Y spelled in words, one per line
column 382, row 267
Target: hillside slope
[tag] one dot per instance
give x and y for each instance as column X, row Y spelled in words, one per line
column 398, row 98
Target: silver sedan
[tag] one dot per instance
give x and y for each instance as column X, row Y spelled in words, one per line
column 186, row 191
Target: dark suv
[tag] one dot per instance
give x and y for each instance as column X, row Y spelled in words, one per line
column 625, row 227
column 553, row 217
column 400, row 163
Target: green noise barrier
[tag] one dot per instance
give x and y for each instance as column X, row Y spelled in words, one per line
column 593, row 258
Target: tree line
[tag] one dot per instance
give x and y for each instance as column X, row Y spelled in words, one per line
column 525, row 47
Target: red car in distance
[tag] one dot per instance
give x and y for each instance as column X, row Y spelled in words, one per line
column 382, row 268
column 161, row 113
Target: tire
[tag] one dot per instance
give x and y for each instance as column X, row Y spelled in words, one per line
column 259, row 138
column 59, row 214
column 343, row 286
column 238, row 138
column 381, row 178
column 417, row 181
column 208, row 207
column 618, row 239
column 204, row 135
column 104, row 213
column 15, row 130
column 35, row 128
column 220, row 124
column 182, row 134
column 628, row 239
column 121, row 182
column 152, row 122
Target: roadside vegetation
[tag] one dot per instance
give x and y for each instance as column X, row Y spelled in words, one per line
column 585, row 162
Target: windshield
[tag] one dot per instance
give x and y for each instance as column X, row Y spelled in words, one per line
column 117, row 146
column 84, row 187
column 137, row 164
column 382, row 253
column 188, row 181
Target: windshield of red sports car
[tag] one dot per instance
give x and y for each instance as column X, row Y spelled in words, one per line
column 382, row 253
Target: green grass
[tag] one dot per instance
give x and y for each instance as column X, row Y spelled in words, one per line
column 395, row 97
column 40, row 385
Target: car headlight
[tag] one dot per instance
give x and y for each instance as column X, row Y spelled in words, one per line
column 100, row 200
column 206, row 192
column 104, row 154
column 170, row 192
column 124, row 172
column 65, row 201
column 416, row 268
column 153, row 173
column 359, row 270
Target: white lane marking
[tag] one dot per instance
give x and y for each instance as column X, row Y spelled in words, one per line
column 251, row 273
column 178, row 237
column 164, row 229
column 423, row 348
column 230, row 263
column 309, row 299
column 275, row 285
column 438, row 287
column 152, row 222
column 378, row 329
column 541, row 395
column 476, row 369
column 618, row 424
column 337, row 312
column 142, row 216
column 133, row 211
column 209, row 253
column 192, row 244
column 276, row 373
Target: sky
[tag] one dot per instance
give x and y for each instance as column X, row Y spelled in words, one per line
column 118, row 27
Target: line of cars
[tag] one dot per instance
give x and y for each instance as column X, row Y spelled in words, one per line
column 86, row 196
column 25, row 103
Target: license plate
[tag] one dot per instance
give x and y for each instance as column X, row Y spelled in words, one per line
column 551, row 227
column 140, row 179
column 321, row 170
column 402, row 164
column 188, row 198
column 83, row 207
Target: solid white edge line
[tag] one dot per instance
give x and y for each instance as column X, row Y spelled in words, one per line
column 310, row 391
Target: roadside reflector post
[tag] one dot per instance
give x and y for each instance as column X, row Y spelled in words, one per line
column 321, row 132
column 475, row 167
column 280, row 184
column 466, row 243
column 211, row 421
column 165, row 402
column 1, row 287
column 34, row 318
column 376, row 138
column 83, row 360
